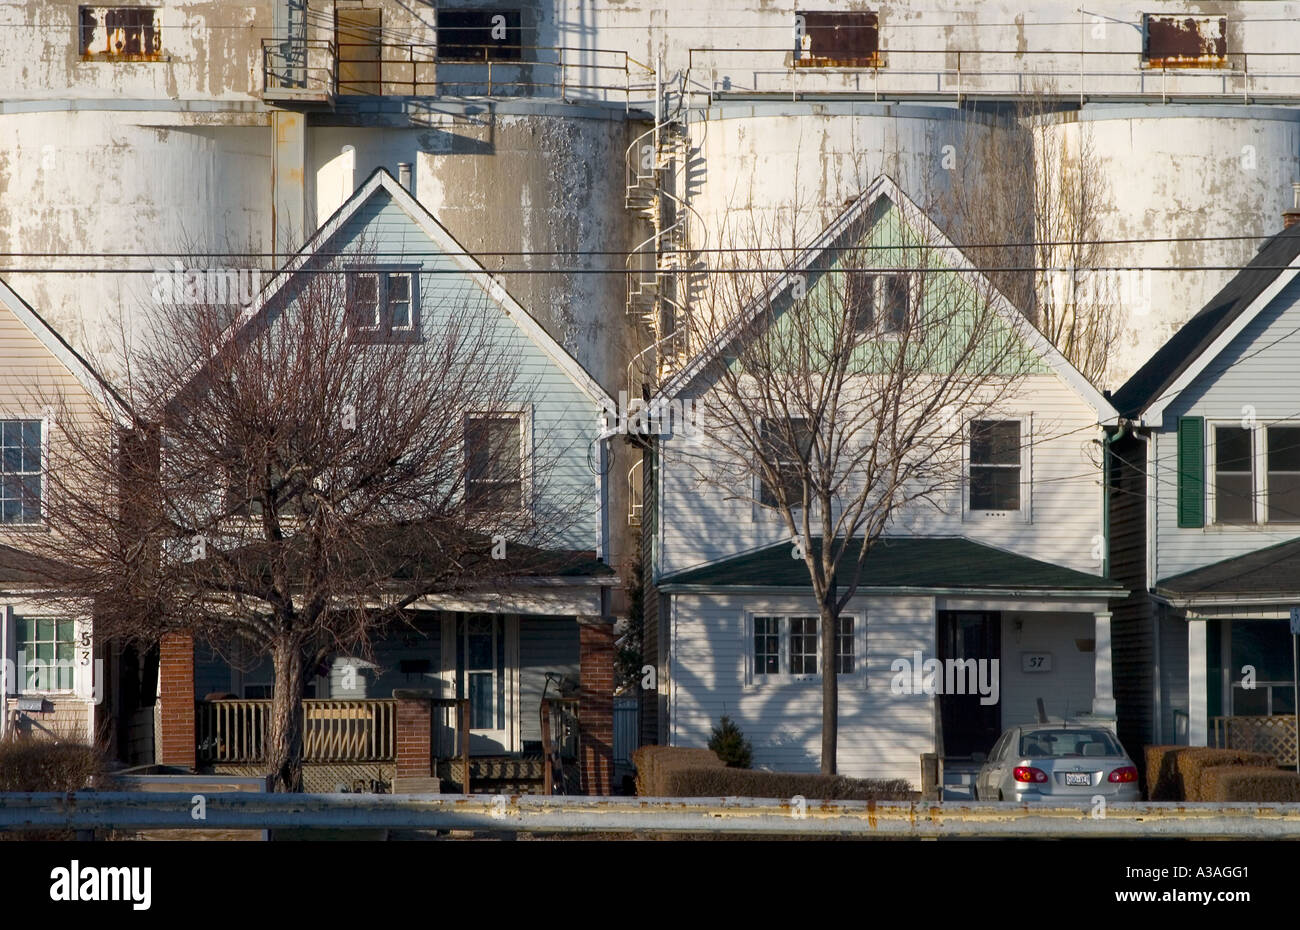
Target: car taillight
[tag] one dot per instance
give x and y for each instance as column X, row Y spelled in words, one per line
column 1125, row 773
column 1029, row 773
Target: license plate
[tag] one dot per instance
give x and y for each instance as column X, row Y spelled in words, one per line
column 1078, row 778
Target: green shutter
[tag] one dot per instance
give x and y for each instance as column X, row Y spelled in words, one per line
column 1191, row 471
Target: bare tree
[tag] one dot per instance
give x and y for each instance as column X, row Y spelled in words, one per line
column 1025, row 200
column 844, row 386
column 298, row 479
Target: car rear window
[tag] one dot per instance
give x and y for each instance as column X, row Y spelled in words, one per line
column 1063, row 743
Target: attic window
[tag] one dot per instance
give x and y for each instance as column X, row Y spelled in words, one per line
column 837, row 40
column 120, row 33
column 1184, row 41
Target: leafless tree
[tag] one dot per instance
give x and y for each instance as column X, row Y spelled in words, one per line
column 843, row 391
column 299, row 478
column 1025, row 199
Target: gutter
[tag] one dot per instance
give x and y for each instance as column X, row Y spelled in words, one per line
column 803, row 590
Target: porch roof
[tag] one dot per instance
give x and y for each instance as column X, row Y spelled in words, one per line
column 902, row 562
column 1272, row 572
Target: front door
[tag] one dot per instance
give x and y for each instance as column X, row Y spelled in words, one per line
column 969, row 725
column 487, row 648
column 357, row 35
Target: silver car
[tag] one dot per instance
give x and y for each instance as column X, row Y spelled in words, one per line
column 1054, row 761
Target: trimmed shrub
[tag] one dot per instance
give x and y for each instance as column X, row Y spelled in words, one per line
column 1194, row 760
column 686, row 782
column 730, row 745
column 1226, row 783
column 40, row 765
column 652, row 761
column 1164, row 781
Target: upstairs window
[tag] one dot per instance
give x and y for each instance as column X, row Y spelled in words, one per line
column 122, row 33
column 479, row 35
column 494, row 479
column 879, row 303
column 382, row 305
column 1184, row 41
column 1283, row 491
column 788, row 446
column 20, row 471
column 1234, row 475
column 995, row 466
column 837, row 40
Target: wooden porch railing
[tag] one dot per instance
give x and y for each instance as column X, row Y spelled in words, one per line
column 333, row 731
column 1273, row 734
column 559, row 740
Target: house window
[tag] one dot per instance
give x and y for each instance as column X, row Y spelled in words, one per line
column 382, row 305
column 20, row 486
column 791, row 646
column 129, row 33
column 1234, row 477
column 493, row 464
column 1184, row 41
column 866, row 293
column 995, row 465
column 1283, row 474
column 46, row 649
column 479, row 35
column 788, row 446
column 837, row 40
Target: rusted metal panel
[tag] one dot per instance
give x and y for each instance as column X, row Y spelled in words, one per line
column 358, row 35
column 1185, row 41
column 839, row 40
column 130, row 33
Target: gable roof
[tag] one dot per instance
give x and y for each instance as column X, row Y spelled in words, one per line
column 1270, row 572
column 1198, row 341
column 94, row 383
column 884, row 187
column 901, row 562
column 378, row 180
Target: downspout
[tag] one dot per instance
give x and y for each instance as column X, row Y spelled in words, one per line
column 1106, row 443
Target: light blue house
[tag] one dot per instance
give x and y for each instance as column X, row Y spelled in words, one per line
column 1204, row 477
column 500, row 651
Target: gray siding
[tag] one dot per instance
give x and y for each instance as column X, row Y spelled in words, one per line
column 1132, row 630
column 545, row 645
column 378, row 678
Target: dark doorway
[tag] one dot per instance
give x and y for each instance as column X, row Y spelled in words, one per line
column 358, row 35
column 968, row 725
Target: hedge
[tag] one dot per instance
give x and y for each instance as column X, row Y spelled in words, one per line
column 1164, row 781
column 1193, row 762
column 1226, row 783
column 686, row 782
column 652, row 761
column 40, row 765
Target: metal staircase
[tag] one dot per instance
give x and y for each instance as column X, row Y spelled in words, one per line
column 656, row 269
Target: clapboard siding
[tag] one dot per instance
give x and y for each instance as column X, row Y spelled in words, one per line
column 881, row 734
column 564, row 417
column 1132, row 627
column 701, row 524
column 545, row 645
column 378, row 677
column 1259, row 373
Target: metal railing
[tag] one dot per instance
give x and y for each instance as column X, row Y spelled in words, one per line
column 324, row 71
column 94, row 810
column 954, row 73
column 333, row 731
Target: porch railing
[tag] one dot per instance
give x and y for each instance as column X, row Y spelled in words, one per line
column 333, row 731
column 1273, row 734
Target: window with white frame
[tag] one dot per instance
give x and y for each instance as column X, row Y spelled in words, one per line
column 383, row 304
column 46, row 653
column 997, row 467
column 1254, row 473
column 879, row 303
column 790, row 647
column 20, row 471
column 788, row 445
column 494, row 475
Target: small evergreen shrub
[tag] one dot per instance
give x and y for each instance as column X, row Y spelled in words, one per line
column 730, row 745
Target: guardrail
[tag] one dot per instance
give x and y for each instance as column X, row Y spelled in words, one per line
column 89, row 810
column 955, row 73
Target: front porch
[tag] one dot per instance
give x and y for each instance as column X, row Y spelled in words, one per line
column 456, row 700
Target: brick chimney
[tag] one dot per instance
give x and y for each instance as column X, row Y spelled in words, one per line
column 1292, row 216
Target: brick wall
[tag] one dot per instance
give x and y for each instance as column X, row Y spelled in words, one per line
column 414, row 735
column 176, row 701
column 596, row 704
